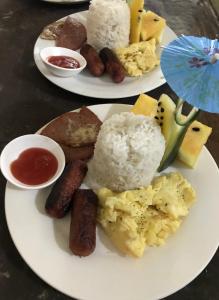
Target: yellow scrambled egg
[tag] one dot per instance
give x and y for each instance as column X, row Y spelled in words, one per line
column 138, row 58
column 145, row 217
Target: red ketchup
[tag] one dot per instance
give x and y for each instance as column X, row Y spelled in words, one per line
column 64, row 62
column 34, row 166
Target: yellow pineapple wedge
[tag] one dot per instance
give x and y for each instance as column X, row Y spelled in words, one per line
column 152, row 26
column 145, row 105
column 194, row 139
column 136, row 11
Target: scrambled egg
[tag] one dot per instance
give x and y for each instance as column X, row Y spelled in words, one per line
column 145, row 217
column 138, row 58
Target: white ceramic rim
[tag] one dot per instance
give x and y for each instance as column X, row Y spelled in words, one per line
column 72, row 53
column 60, row 158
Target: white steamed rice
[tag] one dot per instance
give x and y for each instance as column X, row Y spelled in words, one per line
column 127, row 153
column 108, row 24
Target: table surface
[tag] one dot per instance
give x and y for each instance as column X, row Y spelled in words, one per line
column 28, row 101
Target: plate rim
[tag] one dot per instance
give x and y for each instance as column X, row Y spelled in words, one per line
column 174, row 290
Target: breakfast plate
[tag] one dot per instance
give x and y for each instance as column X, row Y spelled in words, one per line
column 106, row 274
column 102, row 87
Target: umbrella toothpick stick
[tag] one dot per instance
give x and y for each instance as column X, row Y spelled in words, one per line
column 182, row 120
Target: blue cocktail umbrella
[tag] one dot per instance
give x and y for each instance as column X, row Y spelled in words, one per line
column 191, row 67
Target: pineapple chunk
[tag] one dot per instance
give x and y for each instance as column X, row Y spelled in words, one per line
column 136, row 10
column 152, row 26
column 145, row 105
column 195, row 138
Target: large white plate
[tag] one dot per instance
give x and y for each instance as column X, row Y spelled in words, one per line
column 103, row 87
column 43, row 242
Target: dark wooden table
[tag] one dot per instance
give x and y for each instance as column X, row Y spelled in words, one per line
column 28, row 101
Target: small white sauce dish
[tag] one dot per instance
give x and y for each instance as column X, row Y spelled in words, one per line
column 60, row 51
column 14, row 148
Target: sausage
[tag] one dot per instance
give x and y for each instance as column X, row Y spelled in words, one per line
column 59, row 200
column 81, row 153
column 82, row 240
column 94, row 63
column 112, row 65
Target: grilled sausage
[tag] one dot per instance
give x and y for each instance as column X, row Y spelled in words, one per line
column 82, row 240
column 59, row 200
column 94, row 63
column 112, row 65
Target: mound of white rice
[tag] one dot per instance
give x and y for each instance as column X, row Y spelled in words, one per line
column 127, row 153
column 108, row 24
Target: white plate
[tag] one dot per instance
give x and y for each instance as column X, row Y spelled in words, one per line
column 43, row 243
column 103, row 87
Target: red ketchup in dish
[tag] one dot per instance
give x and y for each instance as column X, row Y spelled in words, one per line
column 34, row 166
column 64, row 62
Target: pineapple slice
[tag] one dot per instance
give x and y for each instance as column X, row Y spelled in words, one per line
column 152, row 26
column 145, row 105
column 136, row 10
column 195, row 138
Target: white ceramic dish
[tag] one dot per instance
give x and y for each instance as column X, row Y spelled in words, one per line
column 103, row 87
column 13, row 149
column 43, row 242
column 45, row 53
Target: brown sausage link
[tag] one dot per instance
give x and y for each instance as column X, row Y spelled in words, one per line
column 112, row 65
column 59, row 200
column 82, row 241
column 94, row 63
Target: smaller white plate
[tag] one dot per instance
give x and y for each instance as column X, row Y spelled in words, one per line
column 102, row 87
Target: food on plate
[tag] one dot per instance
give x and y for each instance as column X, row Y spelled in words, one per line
column 136, row 10
column 118, row 29
column 108, row 24
column 74, row 129
column 59, row 200
column 52, row 31
column 195, row 137
column 112, row 65
column 94, row 62
column 143, row 217
column 75, row 153
column 152, row 26
column 72, row 35
column 138, row 58
column 145, row 105
column 82, row 239
column 34, row 166
column 64, row 61
column 127, row 153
